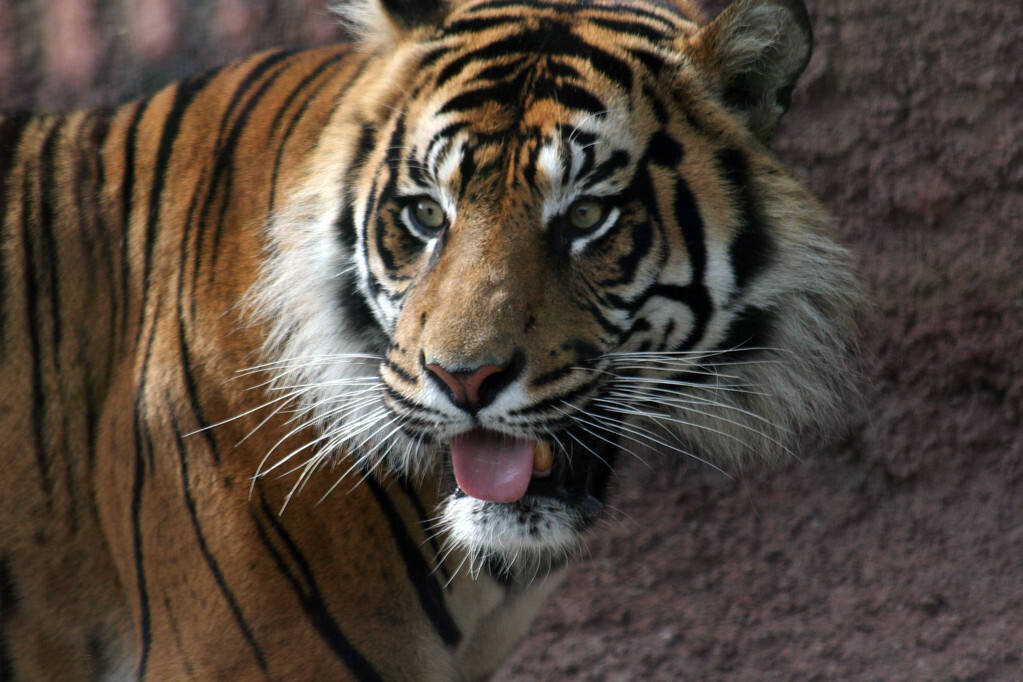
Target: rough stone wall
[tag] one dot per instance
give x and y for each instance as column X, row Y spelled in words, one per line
column 893, row 550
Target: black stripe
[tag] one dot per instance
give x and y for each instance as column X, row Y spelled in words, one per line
column 563, row 71
column 98, row 139
column 504, row 93
column 667, row 7
column 127, row 201
column 466, row 172
column 199, row 188
column 417, row 173
column 633, row 28
column 87, row 177
column 695, row 296
column 576, row 97
column 38, row 399
column 651, row 60
column 381, row 192
column 553, row 39
column 431, row 596
column 518, row 4
column 691, row 223
column 413, row 407
column 750, row 328
column 402, row 374
column 530, row 148
column 642, row 191
column 655, row 101
column 227, row 140
column 211, row 561
column 443, row 137
column 613, row 330
column 191, row 387
column 412, row 13
column 145, row 633
column 501, row 71
column 357, row 313
column 752, row 248
column 49, row 256
column 309, row 595
column 185, row 93
column 345, row 224
column 432, row 56
column 618, row 160
column 478, row 25
column 642, row 241
column 552, row 376
column 225, row 160
column 50, row 261
column 11, row 128
column 293, row 123
column 358, row 317
column 424, row 521
column 558, row 401
column 494, row 50
column 9, row 602
column 664, row 150
column 615, row 69
column 183, row 655
column 143, row 451
column 573, row 8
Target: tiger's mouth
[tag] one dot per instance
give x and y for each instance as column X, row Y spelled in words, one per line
column 494, row 467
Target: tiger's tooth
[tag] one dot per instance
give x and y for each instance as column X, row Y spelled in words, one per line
column 543, row 458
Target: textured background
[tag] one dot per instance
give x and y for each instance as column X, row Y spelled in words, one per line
column 893, row 550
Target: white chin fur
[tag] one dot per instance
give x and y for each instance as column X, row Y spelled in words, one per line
column 531, row 535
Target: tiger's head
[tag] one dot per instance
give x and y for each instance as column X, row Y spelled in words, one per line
column 561, row 237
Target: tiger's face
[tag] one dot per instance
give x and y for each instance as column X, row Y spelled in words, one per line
column 511, row 245
column 573, row 243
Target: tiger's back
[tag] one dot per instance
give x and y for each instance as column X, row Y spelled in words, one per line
column 212, row 286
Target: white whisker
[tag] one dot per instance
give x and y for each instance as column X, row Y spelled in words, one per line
column 620, row 427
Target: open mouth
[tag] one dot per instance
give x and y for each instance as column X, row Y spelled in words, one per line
column 496, row 467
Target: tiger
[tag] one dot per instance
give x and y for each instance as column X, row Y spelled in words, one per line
column 321, row 365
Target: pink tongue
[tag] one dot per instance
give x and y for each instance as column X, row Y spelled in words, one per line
column 492, row 466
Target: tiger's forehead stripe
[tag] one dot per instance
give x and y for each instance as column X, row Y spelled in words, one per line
column 552, row 39
column 659, row 13
column 552, row 30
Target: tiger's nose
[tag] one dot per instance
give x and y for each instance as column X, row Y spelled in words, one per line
column 474, row 389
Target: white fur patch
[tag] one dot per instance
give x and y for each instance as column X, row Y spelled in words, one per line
column 530, row 535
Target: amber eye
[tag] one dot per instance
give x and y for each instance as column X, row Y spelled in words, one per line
column 586, row 214
column 427, row 215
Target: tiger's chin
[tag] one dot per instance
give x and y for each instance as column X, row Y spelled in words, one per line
column 542, row 529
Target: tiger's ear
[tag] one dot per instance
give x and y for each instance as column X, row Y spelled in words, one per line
column 381, row 23
column 756, row 49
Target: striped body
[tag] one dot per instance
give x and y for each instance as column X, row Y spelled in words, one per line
column 352, row 266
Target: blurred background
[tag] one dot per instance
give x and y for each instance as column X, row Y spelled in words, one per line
column 64, row 53
column 893, row 550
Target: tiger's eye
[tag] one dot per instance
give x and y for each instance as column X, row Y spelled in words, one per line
column 429, row 214
column 585, row 214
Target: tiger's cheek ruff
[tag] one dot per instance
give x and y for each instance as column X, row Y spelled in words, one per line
column 699, row 258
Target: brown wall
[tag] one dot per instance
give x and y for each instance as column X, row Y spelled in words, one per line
column 70, row 53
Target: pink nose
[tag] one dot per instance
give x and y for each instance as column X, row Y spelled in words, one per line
column 464, row 387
